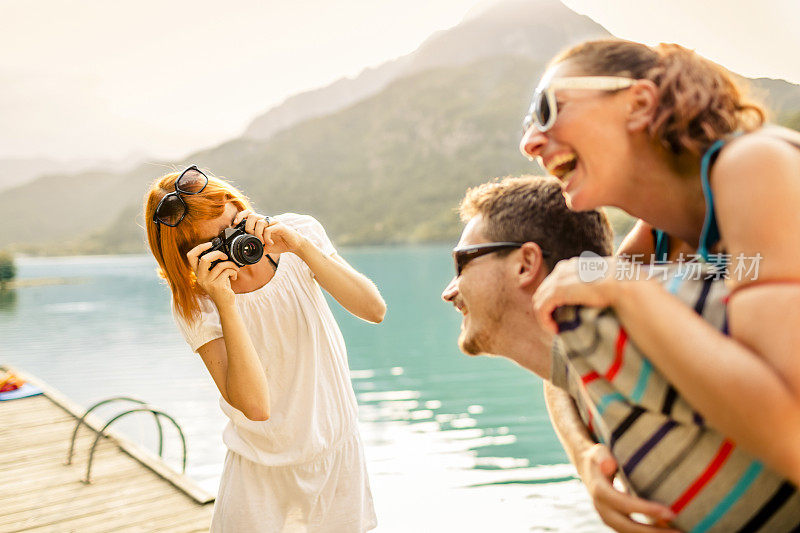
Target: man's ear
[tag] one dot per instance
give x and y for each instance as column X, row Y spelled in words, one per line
column 530, row 264
column 642, row 104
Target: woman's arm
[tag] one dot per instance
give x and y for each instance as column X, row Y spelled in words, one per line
column 232, row 360
column 738, row 391
column 354, row 291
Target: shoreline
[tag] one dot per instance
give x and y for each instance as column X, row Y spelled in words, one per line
column 41, row 282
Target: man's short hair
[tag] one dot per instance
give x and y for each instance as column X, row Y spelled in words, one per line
column 532, row 208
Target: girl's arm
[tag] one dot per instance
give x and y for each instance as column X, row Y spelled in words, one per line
column 354, row 291
column 231, row 360
column 748, row 385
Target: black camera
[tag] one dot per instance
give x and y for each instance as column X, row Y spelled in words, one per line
column 240, row 247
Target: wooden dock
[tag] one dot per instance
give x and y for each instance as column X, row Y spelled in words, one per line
column 131, row 489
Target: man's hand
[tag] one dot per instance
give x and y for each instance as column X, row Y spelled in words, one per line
column 597, row 470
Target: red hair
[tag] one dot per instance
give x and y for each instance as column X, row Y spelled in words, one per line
column 170, row 245
column 699, row 101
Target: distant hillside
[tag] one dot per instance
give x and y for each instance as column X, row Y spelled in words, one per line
column 15, row 171
column 782, row 97
column 388, row 169
column 515, row 27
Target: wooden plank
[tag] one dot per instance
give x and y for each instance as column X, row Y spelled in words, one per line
column 112, row 518
column 79, row 500
column 62, row 493
column 54, row 451
column 26, row 406
column 56, row 431
column 23, row 471
column 69, row 474
column 199, row 516
column 174, row 524
column 84, row 516
column 83, row 506
column 46, row 413
column 34, row 422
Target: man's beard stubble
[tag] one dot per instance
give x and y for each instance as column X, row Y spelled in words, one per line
column 480, row 342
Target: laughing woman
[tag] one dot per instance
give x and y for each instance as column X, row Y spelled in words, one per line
column 666, row 136
column 271, row 345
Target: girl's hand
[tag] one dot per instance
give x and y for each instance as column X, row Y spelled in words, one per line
column 216, row 282
column 276, row 237
column 577, row 281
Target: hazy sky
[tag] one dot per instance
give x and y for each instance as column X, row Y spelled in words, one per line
column 104, row 79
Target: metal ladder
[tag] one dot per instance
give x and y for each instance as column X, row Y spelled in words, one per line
column 142, row 407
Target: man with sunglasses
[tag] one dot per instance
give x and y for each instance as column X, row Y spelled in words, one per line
column 516, row 230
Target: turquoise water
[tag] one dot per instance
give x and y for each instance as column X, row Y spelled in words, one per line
column 110, row 332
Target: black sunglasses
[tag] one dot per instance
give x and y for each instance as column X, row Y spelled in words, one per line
column 464, row 254
column 172, row 209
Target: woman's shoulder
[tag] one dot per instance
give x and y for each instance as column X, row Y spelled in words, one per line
column 296, row 220
column 768, row 156
column 768, row 142
column 310, row 227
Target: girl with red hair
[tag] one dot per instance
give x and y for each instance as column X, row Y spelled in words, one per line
column 268, row 338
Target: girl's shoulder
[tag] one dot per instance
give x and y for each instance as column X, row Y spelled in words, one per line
column 767, row 142
column 297, row 221
column 310, row 227
column 767, row 157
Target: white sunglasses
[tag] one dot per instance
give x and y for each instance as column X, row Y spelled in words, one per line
column 543, row 110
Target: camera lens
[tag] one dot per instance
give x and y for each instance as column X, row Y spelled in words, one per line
column 246, row 250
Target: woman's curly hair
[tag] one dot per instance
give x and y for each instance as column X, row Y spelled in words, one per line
column 699, row 101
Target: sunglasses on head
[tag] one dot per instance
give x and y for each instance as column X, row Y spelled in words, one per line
column 544, row 109
column 172, row 209
column 464, row 254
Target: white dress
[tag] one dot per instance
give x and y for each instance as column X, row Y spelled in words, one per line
column 303, row 469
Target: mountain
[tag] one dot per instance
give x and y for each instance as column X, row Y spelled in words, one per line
column 16, row 171
column 782, row 98
column 387, row 168
column 513, row 27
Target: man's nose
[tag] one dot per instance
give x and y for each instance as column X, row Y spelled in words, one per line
column 532, row 142
column 450, row 291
